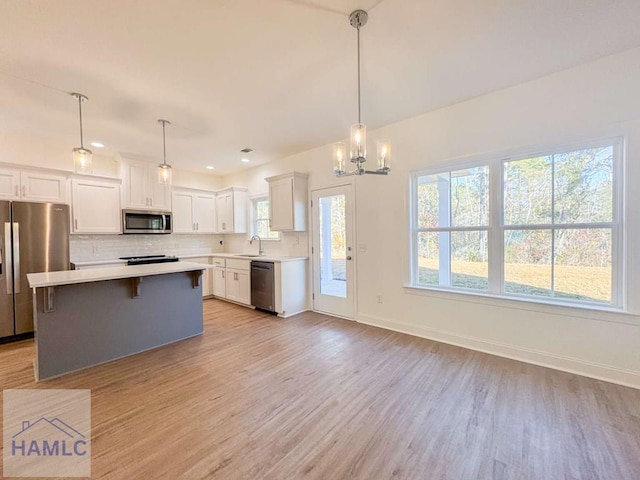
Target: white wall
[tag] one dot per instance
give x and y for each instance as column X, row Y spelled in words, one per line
column 599, row 99
column 37, row 152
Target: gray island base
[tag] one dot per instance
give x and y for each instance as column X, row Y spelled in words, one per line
column 88, row 317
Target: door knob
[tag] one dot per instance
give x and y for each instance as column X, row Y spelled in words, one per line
column 349, row 257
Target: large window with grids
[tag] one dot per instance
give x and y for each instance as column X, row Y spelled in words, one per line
column 545, row 226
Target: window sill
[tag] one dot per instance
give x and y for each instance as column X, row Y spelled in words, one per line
column 590, row 311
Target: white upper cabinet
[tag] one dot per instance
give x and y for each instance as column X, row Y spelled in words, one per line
column 205, row 212
column 96, row 206
column 231, row 209
column 32, row 186
column 182, row 213
column 9, row 184
column 288, row 202
column 142, row 191
column 193, row 212
column 43, row 187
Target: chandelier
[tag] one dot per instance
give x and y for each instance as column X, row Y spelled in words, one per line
column 358, row 147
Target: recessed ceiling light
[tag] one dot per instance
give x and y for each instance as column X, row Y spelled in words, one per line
column 97, row 144
column 245, row 160
column 210, row 167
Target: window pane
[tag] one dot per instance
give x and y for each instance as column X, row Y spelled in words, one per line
column 527, row 191
column 429, row 257
column 583, row 264
column 262, row 228
column 262, row 209
column 470, row 197
column 584, row 186
column 469, row 260
column 261, row 220
column 433, row 201
column 527, row 257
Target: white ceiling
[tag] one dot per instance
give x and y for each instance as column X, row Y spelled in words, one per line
column 275, row 75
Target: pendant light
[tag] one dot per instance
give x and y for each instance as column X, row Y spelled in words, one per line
column 81, row 156
column 164, row 170
column 358, row 147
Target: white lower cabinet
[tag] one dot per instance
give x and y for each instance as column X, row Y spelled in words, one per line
column 238, row 286
column 219, row 282
column 232, row 279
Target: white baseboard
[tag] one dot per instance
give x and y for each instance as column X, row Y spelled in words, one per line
column 585, row 368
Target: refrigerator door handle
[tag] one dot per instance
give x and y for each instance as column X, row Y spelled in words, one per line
column 16, row 250
column 9, row 267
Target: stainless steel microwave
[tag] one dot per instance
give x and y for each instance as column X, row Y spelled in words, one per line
column 142, row 221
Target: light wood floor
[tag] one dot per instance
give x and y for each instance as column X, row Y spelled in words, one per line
column 317, row 397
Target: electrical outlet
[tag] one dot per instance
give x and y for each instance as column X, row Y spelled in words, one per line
column 379, row 297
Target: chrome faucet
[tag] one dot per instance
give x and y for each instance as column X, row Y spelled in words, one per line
column 260, row 251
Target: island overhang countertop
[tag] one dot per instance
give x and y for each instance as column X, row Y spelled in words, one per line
column 70, row 277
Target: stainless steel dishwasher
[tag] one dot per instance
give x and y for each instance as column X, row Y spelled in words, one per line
column 263, row 286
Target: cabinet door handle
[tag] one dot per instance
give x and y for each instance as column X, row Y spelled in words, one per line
column 16, row 190
column 75, row 224
column 151, row 201
column 223, row 274
column 24, row 190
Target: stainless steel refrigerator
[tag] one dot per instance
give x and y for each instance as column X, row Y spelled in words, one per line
column 34, row 237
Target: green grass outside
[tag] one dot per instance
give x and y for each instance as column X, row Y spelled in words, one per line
column 571, row 282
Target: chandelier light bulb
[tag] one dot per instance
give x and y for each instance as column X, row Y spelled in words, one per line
column 338, row 158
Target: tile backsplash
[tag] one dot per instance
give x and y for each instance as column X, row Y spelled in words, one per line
column 85, row 248
column 294, row 244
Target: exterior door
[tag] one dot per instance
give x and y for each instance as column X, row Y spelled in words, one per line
column 333, row 252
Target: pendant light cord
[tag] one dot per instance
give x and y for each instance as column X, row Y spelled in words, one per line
column 164, row 144
column 80, row 110
column 359, row 118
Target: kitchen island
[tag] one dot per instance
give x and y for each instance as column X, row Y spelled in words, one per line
column 87, row 317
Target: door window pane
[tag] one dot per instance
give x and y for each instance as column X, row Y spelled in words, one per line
column 469, row 260
column 527, row 191
column 527, row 262
column 333, row 252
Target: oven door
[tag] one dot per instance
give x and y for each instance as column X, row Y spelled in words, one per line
column 134, row 221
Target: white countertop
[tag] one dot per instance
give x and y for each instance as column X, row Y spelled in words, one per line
column 68, row 277
column 263, row 258
column 248, row 256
